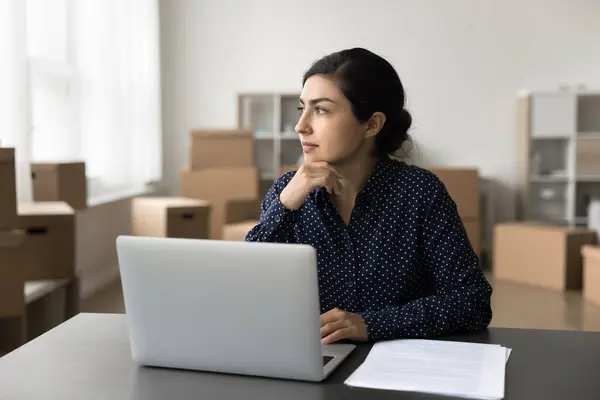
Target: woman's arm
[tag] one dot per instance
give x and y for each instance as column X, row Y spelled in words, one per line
column 462, row 294
column 276, row 222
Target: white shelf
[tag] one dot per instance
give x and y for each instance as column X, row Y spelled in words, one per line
column 264, row 137
column 549, row 179
column 276, row 115
column 588, row 178
column 559, row 131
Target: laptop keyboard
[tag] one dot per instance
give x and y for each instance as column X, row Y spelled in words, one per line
column 326, row 359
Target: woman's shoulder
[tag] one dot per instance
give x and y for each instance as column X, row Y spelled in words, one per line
column 414, row 177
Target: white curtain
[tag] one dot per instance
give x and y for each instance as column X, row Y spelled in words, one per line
column 14, row 102
column 118, row 64
column 80, row 80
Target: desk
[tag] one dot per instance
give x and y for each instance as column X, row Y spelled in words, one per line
column 88, row 358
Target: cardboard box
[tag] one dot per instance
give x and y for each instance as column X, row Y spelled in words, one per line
column 12, row 280
column 221, row 148
column 473, row 228
column 238, row 231
column 288, row 167
column 242, row 210
column 49, row 248
column 174, row 217
column 8, row 190
column 540, row 255
column 220, row 186
column 60, row 182
column 232, row 183
column 463, row 186
column 591, row 274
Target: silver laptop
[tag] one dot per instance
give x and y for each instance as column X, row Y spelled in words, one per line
column 230, row 307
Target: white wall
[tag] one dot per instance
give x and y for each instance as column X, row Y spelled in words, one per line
column 462, row 63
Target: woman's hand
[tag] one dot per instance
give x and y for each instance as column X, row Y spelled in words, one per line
column 338, row 325
column 307, row 178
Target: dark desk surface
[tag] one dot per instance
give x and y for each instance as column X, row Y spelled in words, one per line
column 88, row 358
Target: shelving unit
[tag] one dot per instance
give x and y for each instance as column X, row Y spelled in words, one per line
column 272, row 117
column 559, row 156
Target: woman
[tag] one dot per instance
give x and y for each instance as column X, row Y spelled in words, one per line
column 394, row 259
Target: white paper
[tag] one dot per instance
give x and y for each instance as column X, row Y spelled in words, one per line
column 470, row 370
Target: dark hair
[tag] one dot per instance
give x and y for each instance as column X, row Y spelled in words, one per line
column 371, row 85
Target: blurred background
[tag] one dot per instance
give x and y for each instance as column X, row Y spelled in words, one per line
column 173, row 118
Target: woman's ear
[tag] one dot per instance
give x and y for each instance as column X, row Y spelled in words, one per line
column 375, row 124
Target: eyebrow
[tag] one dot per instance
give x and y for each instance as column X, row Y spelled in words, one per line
column 312, row 102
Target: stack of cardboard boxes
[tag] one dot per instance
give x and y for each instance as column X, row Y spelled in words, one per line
column 591, row 274
column 222, row 172
column 541, row 255
column 173, row 217
column 463, row 186
column 12, row 298
column 62, row 181
column 38, row 284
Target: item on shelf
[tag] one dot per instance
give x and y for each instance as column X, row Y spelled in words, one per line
column 548, row 194
column 559, row 173
column 60, row 182
column 588, row 156
column 536, row 164
column 594, row 216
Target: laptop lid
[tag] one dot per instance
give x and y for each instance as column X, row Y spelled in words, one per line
column 233, row 307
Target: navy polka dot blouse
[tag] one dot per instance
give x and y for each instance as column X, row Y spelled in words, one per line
column 404, row 262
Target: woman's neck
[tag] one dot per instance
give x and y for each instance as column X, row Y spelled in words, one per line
column 356, row 172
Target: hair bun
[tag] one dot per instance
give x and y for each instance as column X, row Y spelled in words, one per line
column 404, row 121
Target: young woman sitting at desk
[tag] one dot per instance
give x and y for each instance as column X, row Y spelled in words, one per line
column 394, row 259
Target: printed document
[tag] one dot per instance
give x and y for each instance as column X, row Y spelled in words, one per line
column 469, row 370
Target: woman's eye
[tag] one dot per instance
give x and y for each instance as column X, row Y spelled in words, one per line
column 321, row 110
column 300, row 110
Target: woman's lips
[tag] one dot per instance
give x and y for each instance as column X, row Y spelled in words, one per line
column 308, row 147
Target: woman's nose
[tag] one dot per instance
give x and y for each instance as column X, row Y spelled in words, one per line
column 303, row 125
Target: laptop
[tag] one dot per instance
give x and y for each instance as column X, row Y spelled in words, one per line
column 221, row 306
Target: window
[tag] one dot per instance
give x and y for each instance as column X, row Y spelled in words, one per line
column 94, row 83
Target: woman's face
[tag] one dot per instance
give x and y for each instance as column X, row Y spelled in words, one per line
column 328, row 129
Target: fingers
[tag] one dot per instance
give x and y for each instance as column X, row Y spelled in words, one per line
column 332, row 315
column 340, row 334
column 323, row 165
column 335, row 326
column 332, row 327
column 333, row 185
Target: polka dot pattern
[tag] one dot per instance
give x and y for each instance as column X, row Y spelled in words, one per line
column 404, row 262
